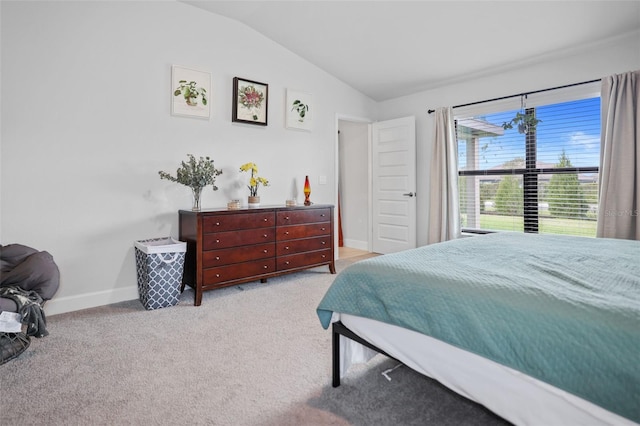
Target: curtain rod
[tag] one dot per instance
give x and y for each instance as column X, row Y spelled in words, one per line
column 521, row 94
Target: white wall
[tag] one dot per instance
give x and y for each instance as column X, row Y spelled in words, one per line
column 354, row 183
column 555, row 69
column 86, row 127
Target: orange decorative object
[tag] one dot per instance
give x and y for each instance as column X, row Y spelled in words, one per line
column 307, row 191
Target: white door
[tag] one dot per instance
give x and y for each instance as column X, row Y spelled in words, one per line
column 394, row 185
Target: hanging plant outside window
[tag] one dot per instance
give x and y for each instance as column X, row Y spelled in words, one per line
column 523, row 121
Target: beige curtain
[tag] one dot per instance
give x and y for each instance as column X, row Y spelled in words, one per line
column 444, row 216
column 619, row 204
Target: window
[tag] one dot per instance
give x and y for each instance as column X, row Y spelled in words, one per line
column 540, row 175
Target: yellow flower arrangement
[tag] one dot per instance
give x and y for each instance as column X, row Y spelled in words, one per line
column 255, row 181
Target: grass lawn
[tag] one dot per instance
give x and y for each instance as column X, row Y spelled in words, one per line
column 547, row 225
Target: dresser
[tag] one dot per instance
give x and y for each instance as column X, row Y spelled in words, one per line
column 229, row 247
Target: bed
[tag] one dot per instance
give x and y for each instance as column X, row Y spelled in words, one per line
column 540, row 329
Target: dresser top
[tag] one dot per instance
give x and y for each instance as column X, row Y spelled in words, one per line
column 245, row 209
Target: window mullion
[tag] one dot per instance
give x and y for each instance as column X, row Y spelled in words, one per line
column 530, row 179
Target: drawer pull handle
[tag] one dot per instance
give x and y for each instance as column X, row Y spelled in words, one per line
column 266, row 220
column 286, row 218
column 286, row 232
column 265, row 267
column 217, row 241
column 265, row 251
column 217, row 223
column 217, row 257
column 322, row 215
column 217, row 275
column 323, row 229
column 286, row 248
column 323, row 256
column 265, row 235
column 324, row 242
column 286, row 263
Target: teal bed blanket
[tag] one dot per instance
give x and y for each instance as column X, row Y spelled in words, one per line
column 565, row 310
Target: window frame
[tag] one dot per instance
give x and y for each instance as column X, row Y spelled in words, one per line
column 530, row 173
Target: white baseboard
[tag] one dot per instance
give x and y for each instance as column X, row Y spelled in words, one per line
column 89, row 300
column 360, row 245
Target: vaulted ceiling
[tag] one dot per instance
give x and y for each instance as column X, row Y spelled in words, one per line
column 387, row 49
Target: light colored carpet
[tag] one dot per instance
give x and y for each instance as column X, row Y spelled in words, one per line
column 253, row 354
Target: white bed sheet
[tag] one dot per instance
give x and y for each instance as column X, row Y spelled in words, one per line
column 511, row 394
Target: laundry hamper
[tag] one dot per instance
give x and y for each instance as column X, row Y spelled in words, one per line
column 159, row 264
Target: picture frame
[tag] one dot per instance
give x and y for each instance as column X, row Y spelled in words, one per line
column 190, row 92
column 250, row 101
column 299, row 110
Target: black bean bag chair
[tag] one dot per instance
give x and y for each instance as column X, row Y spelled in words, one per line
column 28, row 278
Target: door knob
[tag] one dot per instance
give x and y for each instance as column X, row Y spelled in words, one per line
column 409, row 194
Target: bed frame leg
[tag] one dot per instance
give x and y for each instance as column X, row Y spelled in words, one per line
column 339, row 329
column 336, row 356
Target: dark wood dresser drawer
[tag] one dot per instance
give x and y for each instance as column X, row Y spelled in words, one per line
column 237, row 254
column 285, row 218
column 302, row 231
column 227, row 222
column 237, row 238
column 303, row 259
column 238, row 271
column 285, row 248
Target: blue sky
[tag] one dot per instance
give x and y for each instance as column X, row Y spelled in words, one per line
column 573, row 126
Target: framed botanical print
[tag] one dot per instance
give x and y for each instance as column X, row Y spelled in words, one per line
column 250, row 101
column 299, row 110
column 190, row 92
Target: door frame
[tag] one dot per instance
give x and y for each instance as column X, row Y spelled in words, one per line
column 344, row 117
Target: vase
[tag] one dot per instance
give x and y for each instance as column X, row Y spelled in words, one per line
column 254, row 201
column 196, row 192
